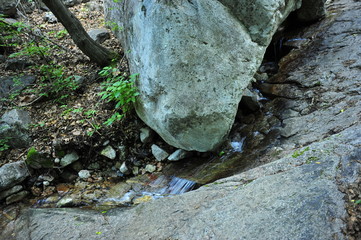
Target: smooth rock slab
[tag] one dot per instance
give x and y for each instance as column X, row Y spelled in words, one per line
column 194, row 59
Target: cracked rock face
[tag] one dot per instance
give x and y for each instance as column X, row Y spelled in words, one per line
column 194, row 58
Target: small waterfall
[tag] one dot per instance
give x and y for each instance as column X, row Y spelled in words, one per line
column 180, row 185
column 172, row 185
column 238, row 145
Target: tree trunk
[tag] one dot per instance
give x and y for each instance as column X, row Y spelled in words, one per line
column 87, row 45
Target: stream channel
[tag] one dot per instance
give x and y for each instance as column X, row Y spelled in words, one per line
column 255, row 139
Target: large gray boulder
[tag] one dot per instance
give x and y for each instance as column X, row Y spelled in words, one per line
column 194, row 58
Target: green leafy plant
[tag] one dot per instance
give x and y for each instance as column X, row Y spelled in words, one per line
column 113, row 26
column 4, row 144
column 297, row 153
column 54, row 83
column 119, row 89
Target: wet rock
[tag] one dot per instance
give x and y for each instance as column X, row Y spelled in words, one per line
column 109, row 152
column 281, row 90
column 84, row 174
column 159, row 153
column 16, row 197
column 117, row 191
column 311, row 10
column 14, row 64
column 146, row 135
column 14, row 84
column 99, row 35
column 250, row 100
column 69, row 159
column 6, row 193
column 178, row 155
column 124, row 169
column 65, row 202
column 261, row 77
column 12, row 174
column 50, row 18
column 189, row 106
column 150, row 168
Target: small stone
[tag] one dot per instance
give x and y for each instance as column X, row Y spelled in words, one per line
column 159, row 153
column 50, row 18
column 178, row 155
column 65, row 202
column 68, row 176
column 122, row 153
column 124, row 169
column 109, row 152
column 16, row 197
column 46, row 183
column 99, row 35
column 77, row 166
column 44, row 177
column 261, row 77
column 56, row 160
column 84, row 174
column 128, row 197
column 146, row 135
column 150, row 168
column 6, row 193
column 135, row 170
column 69, row 159
column 94, row 166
